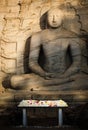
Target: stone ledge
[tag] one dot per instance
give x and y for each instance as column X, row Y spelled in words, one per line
column 69, row 96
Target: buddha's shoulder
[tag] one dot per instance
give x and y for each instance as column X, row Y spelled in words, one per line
column 73, row 36
column 40, row 34
column 64, row 33
column 68, row 33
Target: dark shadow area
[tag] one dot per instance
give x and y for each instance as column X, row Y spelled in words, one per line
column 42, row 58
column 68, row 58
column 83, row 117
column 43, row 122
column 43, row 21
column 73, row 117
column 26, row 56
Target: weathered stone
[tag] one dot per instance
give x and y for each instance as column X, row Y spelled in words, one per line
column 20, row 60
column 20, row 70
column 13, row 15
column 56, row 2
column 84, row 22
column 9, row 9
column 8, row 50
column 2, row 24
column 74, row 3
column 14, row 9
column 21, row 47
column 3, row 2
column 82, row 11
column 69, row 23
column 84, row 2
column 12, row 24
column 3, row 9
column 8, row 65
column 24, row 8
column 12, row 2
column 26, row 1
column 27, row 23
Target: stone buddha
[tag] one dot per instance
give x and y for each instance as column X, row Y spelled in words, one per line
column 62, row 58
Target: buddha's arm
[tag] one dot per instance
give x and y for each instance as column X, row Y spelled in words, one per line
column 76, row 60
column 34, row 55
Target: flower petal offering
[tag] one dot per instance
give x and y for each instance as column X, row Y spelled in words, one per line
column 42, row 103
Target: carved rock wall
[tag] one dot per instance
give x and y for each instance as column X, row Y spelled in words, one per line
column 19, row 19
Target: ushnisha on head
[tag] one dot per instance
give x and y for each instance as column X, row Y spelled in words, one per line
column 55, row 17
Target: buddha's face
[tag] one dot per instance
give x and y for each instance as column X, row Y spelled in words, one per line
column 55, row 17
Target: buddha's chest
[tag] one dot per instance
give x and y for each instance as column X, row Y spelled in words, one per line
column 54, row 47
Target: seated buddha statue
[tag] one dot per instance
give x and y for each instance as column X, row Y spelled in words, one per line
column 59, row 45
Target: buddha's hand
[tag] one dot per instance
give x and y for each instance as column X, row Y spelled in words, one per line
column 49, row 76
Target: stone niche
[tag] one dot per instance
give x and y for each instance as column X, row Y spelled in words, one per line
column 19, row 20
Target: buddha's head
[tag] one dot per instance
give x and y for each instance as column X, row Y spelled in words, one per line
column 55, row 17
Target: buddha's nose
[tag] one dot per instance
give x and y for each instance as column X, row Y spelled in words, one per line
column 54, row 19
